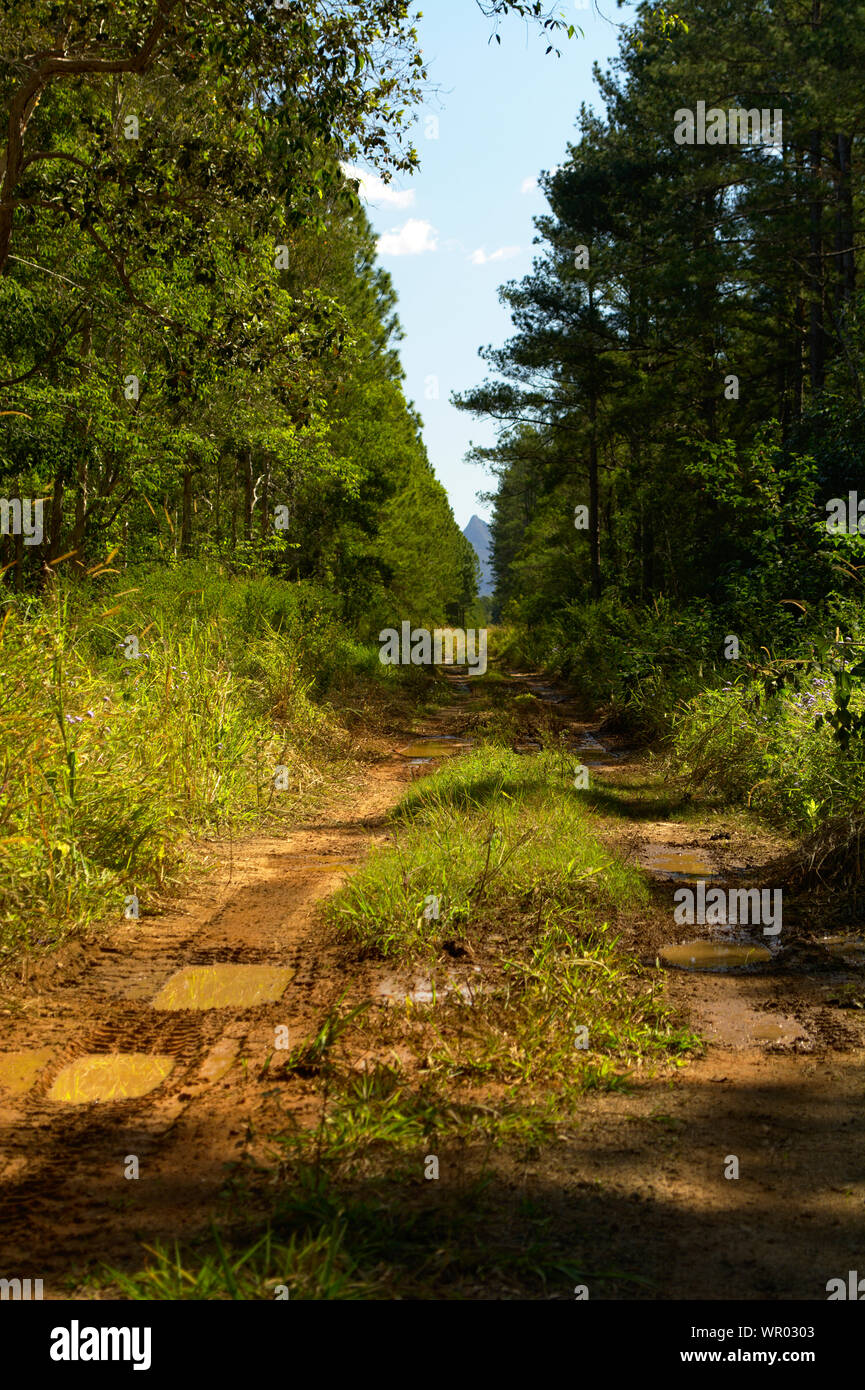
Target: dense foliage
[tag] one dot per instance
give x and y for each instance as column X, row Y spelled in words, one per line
column 214, row 492
column 197, row 351
column 681, row 400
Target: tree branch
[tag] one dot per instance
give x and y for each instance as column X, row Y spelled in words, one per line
column 26, row 99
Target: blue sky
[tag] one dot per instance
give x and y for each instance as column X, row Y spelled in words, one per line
column 455, row 231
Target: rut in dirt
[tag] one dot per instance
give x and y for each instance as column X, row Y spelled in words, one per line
column 136, row 1051
column 132, row 1081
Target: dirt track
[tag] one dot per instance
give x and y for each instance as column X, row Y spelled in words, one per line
column 66, row 1202
column 638, row 1178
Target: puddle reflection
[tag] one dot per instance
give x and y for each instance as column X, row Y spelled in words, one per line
column 110, row 1076
column 713, row 955
column 435, row 748
column 223, row 986
column 677, row 863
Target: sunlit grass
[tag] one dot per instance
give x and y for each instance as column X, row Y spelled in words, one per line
column 310, row 1266
column 768, row 753
column 500, row 845
column 111, row 762
column 485, row 826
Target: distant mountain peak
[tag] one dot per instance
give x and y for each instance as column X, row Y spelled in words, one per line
column 477, row 533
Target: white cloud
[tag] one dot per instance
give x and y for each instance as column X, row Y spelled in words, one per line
column 412, row 239
column 504, row 253
column 374, row 190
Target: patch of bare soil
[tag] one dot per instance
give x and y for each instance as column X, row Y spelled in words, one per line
column 779, row 1091
column 65, row 1202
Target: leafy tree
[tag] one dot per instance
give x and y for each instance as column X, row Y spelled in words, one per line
column 717, row 293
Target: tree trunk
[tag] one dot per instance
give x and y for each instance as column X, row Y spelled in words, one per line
column 845, row 262
column 816, row 325
column 82, row 474
column 265, row 501
column 249, row 495
column 186, row 514
column 594, row 492
column 594, row 506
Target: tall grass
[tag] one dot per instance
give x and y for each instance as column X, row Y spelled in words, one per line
column 111, row 761
column 745, row 727
column 768, row 752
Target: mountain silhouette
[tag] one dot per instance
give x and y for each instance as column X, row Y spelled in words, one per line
column 478, row 534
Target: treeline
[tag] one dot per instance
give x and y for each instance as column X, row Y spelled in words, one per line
column 687, row 361
column 213, row 491
column 198, row 355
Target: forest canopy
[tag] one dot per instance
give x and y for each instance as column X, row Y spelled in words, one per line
column 198, row 353
column 681, row 399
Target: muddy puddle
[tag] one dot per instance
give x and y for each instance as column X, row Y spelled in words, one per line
column 548, row 694
column 590, row 750
column 428, row 748
column 223, row 986
column 732, row 1022
column 714, row 955
column 668, row 861
column 850, row 949
column 594, row 753
column 220, row 1059
column 19, row 1070
column 317, row 864
column 110, row 1076
column 772, row 1031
